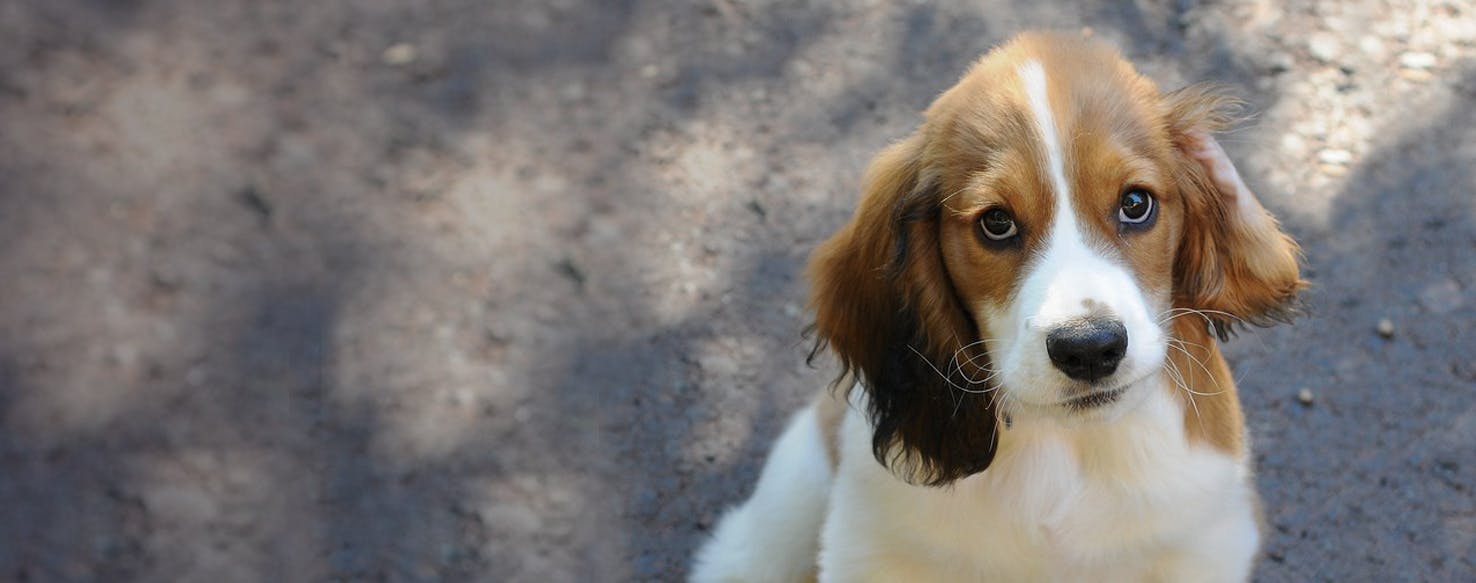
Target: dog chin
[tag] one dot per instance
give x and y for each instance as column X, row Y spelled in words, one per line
column 1089, row 403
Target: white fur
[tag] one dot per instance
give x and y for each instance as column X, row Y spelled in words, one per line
column 1032, row 76
column 1129, row 500
column 775, row 535
column 1119, row 494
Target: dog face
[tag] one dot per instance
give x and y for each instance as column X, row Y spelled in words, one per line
column 1022, row 251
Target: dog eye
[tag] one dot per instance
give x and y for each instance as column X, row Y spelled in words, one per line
column 998, row 225
column 1137, row 206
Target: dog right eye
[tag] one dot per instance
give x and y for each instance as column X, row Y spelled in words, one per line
column 998, row 225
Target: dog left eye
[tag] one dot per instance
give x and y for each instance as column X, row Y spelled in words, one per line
column 1136, row 207
column 998, row 225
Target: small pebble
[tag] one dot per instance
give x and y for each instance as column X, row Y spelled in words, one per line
column 1335, row 156
column 1372, row 47
column 400, row 55
column 1293, row 145
column 1304, row 397
column 1417, row 60
column 1324, row 46
column 1386, row 328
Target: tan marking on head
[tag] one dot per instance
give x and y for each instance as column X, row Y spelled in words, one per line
column 988, row 153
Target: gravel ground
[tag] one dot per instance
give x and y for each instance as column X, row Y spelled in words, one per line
column 512, row 291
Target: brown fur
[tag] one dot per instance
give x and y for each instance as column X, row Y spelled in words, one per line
column 884, row 301
column 1233, row 266
column 1211, row 405
column 1242, row 266
column 890, row 288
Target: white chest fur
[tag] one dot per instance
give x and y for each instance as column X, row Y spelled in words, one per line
column 1129, row 499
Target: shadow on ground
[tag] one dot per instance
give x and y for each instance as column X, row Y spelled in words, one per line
column 526, row 304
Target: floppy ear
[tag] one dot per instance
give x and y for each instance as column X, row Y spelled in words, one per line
column 1234, row 262
column 884, row 301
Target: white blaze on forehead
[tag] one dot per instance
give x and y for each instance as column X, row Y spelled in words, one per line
column 1067, row 279
column 1069, row 270
column 1032, row 74
column 1061, row 279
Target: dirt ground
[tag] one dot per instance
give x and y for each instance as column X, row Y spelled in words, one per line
column 513, row 290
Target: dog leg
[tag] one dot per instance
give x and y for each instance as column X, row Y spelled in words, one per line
column 775, row 535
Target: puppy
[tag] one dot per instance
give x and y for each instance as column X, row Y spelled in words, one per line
column 1026, row 305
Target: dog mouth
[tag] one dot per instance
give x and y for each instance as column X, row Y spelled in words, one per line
column 1102, row 397
column 1096, row 399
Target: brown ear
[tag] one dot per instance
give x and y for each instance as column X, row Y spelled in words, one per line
column 1234, row 263
column 884, row 301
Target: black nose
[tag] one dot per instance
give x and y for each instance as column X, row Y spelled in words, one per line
column 1089, row 349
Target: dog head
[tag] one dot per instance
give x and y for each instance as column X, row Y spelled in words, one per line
column 1021, row 252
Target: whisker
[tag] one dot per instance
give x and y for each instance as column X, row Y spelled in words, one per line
column 1202, row 367
column 974, row 362
column 1176, row 343
column 952, row 362
column 1174, row 313
column 955, row 365
column 1179, row 376
column 1194, row 344
column 945, row 377
column 1222, row 313
column 955, row 193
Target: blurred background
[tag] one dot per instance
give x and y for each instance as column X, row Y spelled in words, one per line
column 512, row 290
